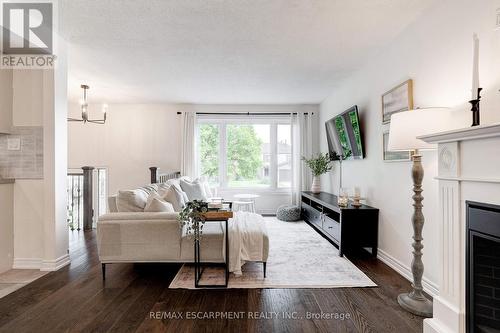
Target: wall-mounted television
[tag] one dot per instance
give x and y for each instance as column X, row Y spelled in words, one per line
column 344, row 135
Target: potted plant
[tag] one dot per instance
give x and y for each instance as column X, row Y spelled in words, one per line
column 191, row 217
column 318, row 165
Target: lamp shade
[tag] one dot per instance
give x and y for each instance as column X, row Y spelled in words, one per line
column 407, row 126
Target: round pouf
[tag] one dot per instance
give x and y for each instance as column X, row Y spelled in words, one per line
column 288, row 213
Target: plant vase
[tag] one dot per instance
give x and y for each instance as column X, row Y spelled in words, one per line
column 316, row 185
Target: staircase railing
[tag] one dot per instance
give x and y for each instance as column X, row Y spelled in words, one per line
column 75, row 201
column 161, row 177
column 80, row 206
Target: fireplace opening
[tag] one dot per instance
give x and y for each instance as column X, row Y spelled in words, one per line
column 483, row 268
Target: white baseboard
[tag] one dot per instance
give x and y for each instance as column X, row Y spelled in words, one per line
column 55, row 264
column 38, row 263
column 266, row 212
column 27, row 263
column 429, row 287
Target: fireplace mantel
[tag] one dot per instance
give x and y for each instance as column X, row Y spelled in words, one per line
column 464, row 134
column 468, row 161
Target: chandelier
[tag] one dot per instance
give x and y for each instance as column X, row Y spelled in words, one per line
column 84, row 105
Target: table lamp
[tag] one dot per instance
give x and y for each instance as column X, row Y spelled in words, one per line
column 405, row 128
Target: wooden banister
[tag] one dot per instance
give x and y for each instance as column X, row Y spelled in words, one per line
column 88, row 207
column 159, row 177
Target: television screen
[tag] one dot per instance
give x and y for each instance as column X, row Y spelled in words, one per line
column 344, row 135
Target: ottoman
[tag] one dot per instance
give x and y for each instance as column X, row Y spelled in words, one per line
column 288, row 213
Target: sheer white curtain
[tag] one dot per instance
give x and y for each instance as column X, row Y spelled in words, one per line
column 302, row 145
column 188, row 145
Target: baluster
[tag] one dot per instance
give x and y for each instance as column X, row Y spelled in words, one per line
column 78, row 198
column 88, row 209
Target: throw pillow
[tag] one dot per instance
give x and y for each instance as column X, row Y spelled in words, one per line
column 157, row 204
column 208, row 190
column 175, row 197
column 131, row 200
column 151, row 188
column 162, row 188
column 195, row 190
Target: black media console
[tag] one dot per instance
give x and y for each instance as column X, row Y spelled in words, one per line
column 347, row 227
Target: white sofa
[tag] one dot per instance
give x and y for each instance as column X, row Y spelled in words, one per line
column 124, row 237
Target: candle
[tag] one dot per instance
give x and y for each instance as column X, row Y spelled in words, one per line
column 475, row 66
column 357, row 192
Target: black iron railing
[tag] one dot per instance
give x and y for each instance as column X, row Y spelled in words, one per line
column 75, row 201
column 82, row 193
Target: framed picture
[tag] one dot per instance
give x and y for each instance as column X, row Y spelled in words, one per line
column 394, row 156
column 398, row 99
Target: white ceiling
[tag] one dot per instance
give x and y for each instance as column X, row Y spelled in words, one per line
column 224, row 51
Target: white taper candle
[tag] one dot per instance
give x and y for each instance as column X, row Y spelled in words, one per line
column 475, row 66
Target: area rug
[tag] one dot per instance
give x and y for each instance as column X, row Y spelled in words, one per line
column 298, row 258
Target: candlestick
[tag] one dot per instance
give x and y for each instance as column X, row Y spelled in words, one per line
column 475, row 67
column 475, row 108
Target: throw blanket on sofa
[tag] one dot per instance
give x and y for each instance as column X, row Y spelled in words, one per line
column 246, row 240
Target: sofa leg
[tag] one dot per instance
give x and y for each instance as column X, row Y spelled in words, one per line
column 103, row 271
column 264, row 269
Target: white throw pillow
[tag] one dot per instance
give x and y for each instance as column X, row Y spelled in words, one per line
column 175, row 197
column 157, row 204
column 131, row 200
column 208, row 190
column 195, row 190
column 162, row 189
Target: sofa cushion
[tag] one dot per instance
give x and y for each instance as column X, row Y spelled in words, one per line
column 175, row 197
column 131, row 200
column 156, row 203
column 112, row 204
column 194, row 190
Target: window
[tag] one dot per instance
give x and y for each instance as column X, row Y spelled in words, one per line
column 284, row 159
column 236, row 153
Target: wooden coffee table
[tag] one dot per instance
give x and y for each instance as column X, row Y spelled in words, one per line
column 212, row 216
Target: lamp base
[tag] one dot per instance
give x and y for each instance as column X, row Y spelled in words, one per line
column 418, row 305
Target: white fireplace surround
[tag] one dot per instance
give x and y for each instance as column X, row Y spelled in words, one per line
column 469, row 169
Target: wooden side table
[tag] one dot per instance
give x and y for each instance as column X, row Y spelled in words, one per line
column 212, row 216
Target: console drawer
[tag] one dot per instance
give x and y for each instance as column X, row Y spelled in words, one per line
column 331, row 227
column 311, row 215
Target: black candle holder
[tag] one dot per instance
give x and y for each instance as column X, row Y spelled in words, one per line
column 475, row 108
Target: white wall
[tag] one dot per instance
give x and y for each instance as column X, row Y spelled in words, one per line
column 436, row 52
column 134, row 138
column 40, row 228
column 5, row 100
column 28, row 193
column 6, row 226
column 6, row 190
column 138, row 136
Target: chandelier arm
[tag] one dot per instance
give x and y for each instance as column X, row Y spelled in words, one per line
column 96, row 121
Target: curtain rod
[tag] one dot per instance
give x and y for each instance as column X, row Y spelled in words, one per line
column 250, row 113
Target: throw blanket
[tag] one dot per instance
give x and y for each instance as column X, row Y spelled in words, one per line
column 245, row 239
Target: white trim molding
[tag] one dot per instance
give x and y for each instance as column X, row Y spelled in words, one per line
column 463, row 134
column 55, row 264
column 430, row 287
column 39, row 263
column 27, row 263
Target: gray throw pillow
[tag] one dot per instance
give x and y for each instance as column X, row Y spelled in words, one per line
column 131, row 200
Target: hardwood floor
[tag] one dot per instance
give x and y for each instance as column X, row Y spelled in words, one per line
column 135, row 297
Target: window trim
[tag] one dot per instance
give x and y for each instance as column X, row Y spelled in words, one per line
column 222, row 123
